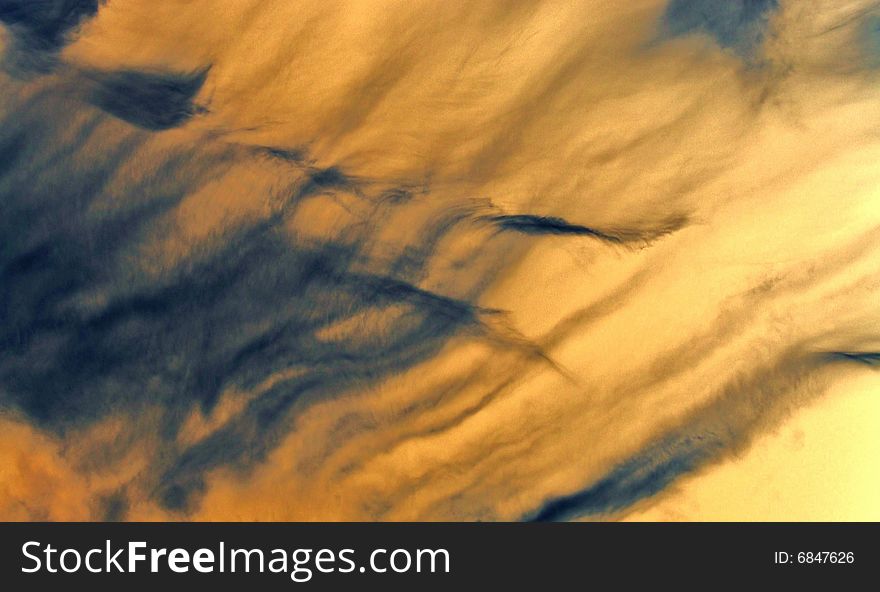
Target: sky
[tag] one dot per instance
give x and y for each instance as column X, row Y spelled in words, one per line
column 420, row 260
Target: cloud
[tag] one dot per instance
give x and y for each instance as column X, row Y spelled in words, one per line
column 739, row 25
column 505, row 262
column 151, row 100
column 43, row 27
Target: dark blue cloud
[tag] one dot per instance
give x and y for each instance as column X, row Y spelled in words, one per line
column 45, row 23
column 252, row 307
column 739, row 25
column 528, row 224
column 872, row 38
column 867, row 358
column 638, row 478
column 151, row 100
column 42, row 27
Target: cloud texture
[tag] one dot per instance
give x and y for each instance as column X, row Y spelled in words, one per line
column 427, row 260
